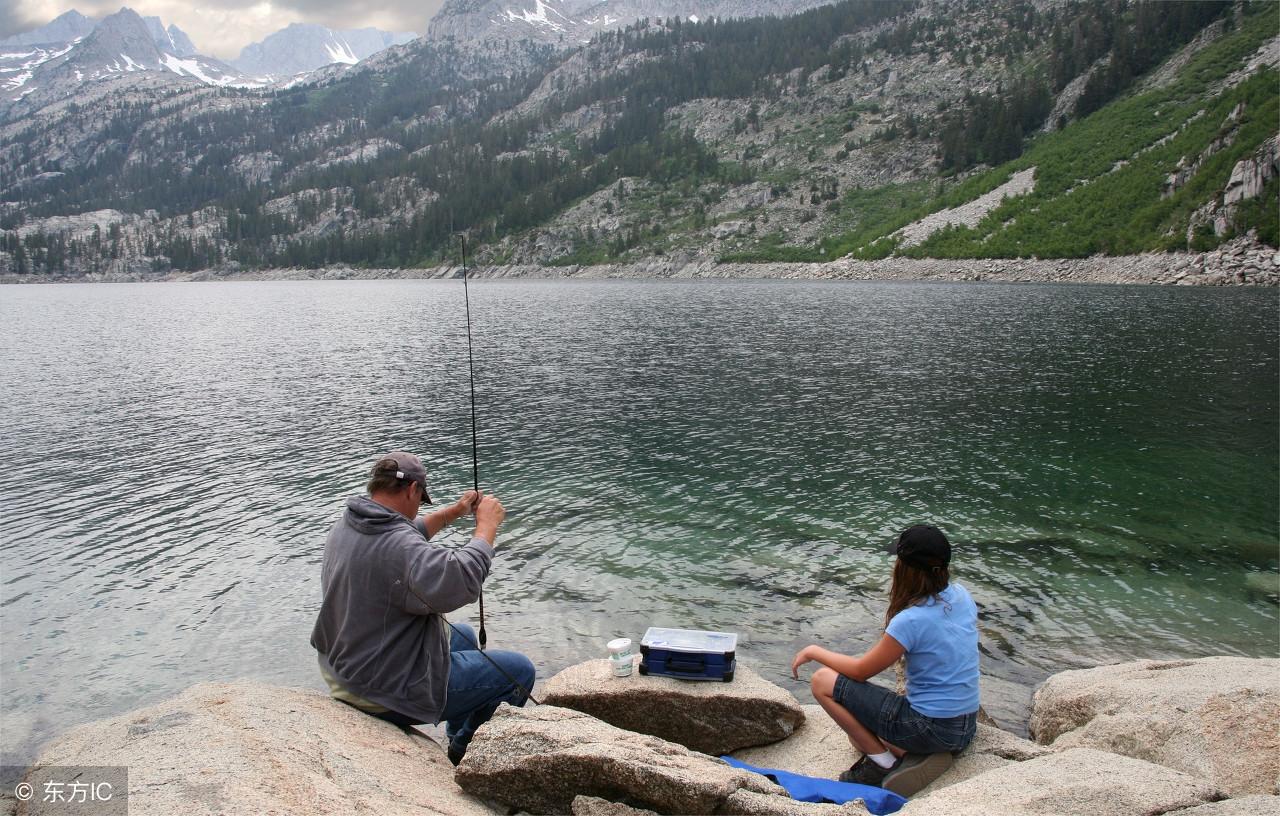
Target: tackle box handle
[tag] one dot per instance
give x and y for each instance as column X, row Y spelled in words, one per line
column 686, row 665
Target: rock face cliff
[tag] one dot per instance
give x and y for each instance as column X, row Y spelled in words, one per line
column 1249, row 176
column 1248, row 181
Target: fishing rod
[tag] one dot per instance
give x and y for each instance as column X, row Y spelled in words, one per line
column 475, row 477
column 475, row 448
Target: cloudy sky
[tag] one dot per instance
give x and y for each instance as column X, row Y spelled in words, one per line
column 220, row 28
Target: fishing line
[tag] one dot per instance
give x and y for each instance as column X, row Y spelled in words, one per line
column 475, row 454
column 463, row 635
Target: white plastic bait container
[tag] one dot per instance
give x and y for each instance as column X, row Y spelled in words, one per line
column 620, row 657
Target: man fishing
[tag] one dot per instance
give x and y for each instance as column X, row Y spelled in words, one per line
column 384, row 645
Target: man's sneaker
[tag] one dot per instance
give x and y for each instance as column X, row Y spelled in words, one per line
column 914, row 772
column 866, row 772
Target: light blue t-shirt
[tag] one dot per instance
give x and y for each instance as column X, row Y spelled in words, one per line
column 941, row 640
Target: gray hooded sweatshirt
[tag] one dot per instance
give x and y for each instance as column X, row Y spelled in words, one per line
column 381, row 630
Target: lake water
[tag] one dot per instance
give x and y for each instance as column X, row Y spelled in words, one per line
column 721, row 455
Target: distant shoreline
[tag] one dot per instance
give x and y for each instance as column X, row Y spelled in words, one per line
column 1238, row 263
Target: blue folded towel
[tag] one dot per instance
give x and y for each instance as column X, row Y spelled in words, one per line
column 813, row 789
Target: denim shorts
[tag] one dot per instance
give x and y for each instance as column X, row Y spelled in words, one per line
column 891, row 718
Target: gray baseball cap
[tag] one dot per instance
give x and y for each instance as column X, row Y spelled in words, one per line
column 407, row 467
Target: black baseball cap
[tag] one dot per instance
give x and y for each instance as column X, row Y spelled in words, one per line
column 407, row 468
column 922, row 546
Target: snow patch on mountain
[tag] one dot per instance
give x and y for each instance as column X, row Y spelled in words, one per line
column 17, row 68
column 539, row 16
column 340, row 52
column 19, row 80
column 208, row 75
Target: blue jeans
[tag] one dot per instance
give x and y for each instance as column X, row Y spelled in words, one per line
column 891, row 718
column 476, row 688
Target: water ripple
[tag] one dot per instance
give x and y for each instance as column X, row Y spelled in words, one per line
column 718, row 455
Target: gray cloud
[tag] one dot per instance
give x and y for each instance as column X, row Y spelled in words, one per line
column 412, row 14
column 13, row 18
column 221, row 28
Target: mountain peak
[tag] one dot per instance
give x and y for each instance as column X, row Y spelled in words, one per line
column 62, row 29
column 125, row 18
column 120, row 36
column 70, row 16
column 171, row 40
column 180, row 41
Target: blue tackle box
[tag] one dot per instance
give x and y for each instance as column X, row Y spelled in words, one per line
column 688, row 654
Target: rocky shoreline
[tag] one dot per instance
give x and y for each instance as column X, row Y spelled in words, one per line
column 1241, row 262
column 1193, row 737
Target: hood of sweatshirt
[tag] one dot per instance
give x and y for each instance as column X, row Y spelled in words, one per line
column 367, row 516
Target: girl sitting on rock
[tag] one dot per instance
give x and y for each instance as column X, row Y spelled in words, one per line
column 907, row 742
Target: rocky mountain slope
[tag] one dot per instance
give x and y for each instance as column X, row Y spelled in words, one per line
column 574, row 22
column 956, row 129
